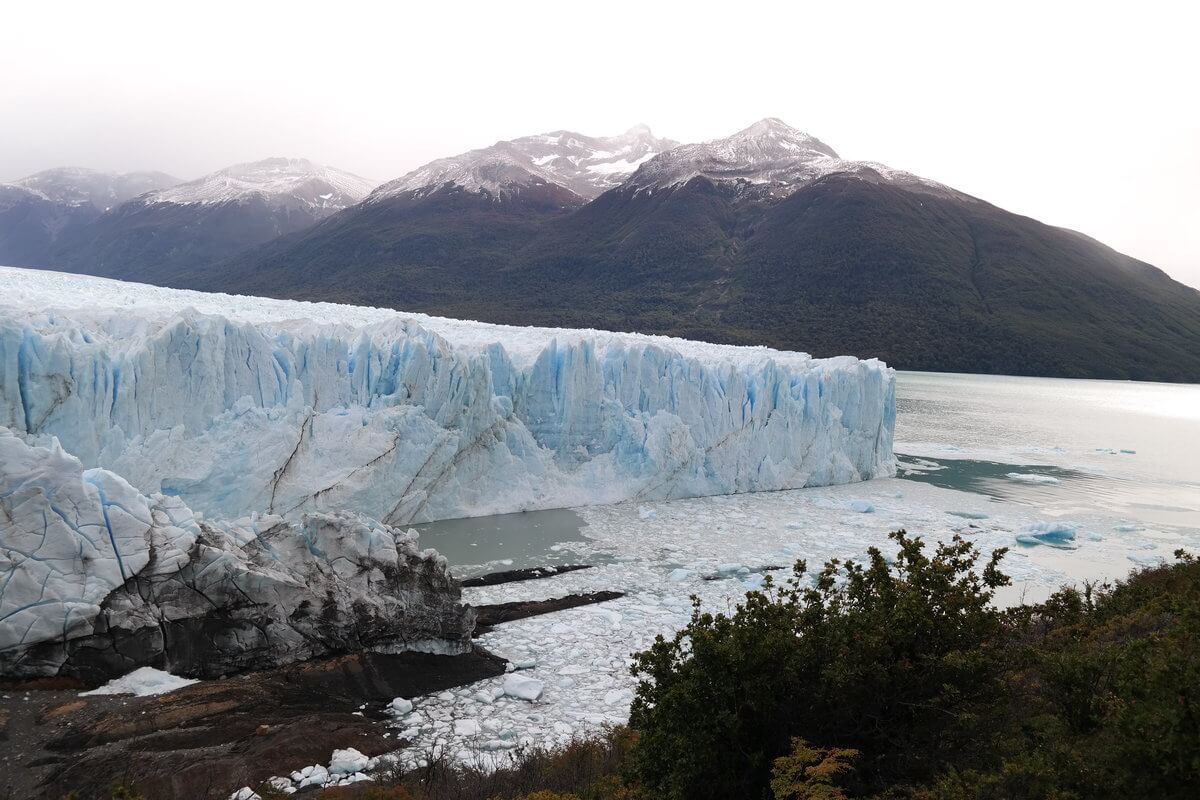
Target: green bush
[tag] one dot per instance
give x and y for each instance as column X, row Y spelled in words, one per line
column 908, row 673
column 893, row 660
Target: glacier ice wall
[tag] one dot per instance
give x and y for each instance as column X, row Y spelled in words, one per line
column 239, row 404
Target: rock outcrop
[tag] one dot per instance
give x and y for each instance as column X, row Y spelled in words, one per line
column 97, row 579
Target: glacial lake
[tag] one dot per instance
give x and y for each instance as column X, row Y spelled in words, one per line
column 1061, row 446
column 1130, row 449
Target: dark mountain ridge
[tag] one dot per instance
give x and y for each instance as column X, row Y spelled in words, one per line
column 765, row 237
column 850, row 262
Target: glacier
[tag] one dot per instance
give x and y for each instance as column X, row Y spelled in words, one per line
column 239, row 405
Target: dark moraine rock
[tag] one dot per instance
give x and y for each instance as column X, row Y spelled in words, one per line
column 205, row 740
column 491, row 615
column 525, row 574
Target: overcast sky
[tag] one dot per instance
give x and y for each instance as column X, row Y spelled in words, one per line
column 1083, row 115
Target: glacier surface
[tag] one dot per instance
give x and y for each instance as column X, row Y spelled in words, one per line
column 239, row 405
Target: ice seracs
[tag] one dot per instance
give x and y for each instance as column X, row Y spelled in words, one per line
column 246, row 405
column 584, row 166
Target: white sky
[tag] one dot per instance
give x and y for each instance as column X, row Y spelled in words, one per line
column 1080, row 114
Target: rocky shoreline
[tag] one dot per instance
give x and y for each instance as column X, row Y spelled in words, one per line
column 205, row 740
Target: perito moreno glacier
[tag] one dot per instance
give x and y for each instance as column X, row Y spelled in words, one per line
column 156, row 433
column 239, row 405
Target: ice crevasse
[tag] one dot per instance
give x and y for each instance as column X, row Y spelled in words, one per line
column 240, row 405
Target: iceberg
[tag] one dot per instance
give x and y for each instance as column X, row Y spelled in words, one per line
column 1053, row 534
column 236, row 405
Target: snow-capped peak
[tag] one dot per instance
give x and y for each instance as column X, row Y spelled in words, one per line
column 769, row 151
column 585, row 165
column 294, row 182
column 770, row 155
column 78, row 186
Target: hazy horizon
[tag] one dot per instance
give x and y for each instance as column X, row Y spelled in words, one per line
column 1073, row 114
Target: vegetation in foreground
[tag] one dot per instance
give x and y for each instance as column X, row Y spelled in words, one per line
column 886, row 680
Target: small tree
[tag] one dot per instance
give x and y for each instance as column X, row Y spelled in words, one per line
column 810, row 773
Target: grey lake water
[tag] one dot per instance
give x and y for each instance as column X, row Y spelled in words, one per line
column 502, row 542
column 1061, row 446
column 1131, row 449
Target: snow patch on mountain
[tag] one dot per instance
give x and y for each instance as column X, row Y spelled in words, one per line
column 770, row 155
column 280, row 182
column 77, row 186
column 585, row 165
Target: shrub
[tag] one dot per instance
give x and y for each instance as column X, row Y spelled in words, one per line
column 809, row 773
column 893, row 660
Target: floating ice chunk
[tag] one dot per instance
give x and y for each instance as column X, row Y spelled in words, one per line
column 1129, row 527
column 492, row 745
column 573, row 669
column 245, row 793
column 1054, row 534
column 679, row 575
column 466, row 727
column 644, row 512
column 755, row 581
column 347, row 762
column 143, row 682
column 523, row 688
column 861, row 506
column 400, row 706
column 968, row 514
column 1032, row 477
column 607, row 614
column 729, row 569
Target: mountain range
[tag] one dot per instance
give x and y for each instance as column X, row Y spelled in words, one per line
column 763, row 237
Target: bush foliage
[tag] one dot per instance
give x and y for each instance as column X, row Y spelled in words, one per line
column 901, row 679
